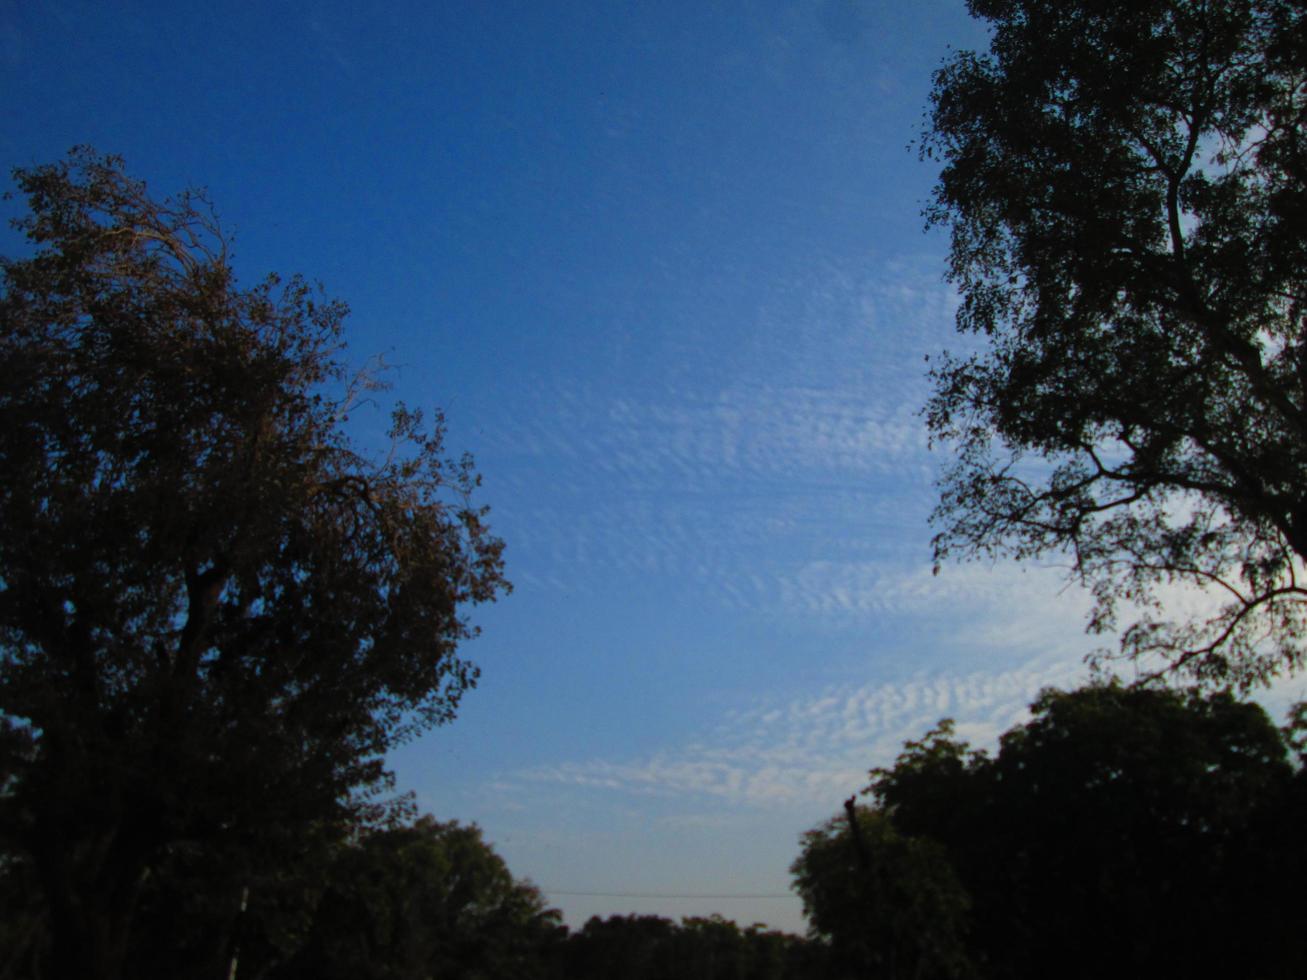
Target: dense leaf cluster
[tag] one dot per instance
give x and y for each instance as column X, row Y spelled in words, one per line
column 1125, row 185
column 1121, row 832
column 407, row 902
column 426, row 900
column 646, row 947
column 216, row 613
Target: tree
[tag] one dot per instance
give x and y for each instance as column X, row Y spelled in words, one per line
column 649, row 947
column 216, row 612
column 1126, row 186
column 427, row 900
column 630, row 946
column 890, row 906
column 1139, row 832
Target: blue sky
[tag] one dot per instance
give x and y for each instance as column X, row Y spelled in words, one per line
column 663, row 266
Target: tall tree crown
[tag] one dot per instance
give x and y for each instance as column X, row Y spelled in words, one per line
column 1126, row 186
column 216, row 612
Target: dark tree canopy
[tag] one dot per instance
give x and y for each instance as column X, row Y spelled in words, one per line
column 216, row 613
column 1126, row 189
column 885, row 903
column 427, row 900
column 650, row 947
column 1121, row 832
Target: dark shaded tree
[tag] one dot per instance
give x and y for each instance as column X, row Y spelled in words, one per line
column 1132, row 832
column 1140, row 827
column 715, row 948
column 216, row 612
column 205, row 905
column 649, row 947
column 889, row 905
column 427, row 900
column 635, row 947
column 1126, row 189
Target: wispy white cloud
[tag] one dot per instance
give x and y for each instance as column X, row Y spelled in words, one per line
column 816, row 747
column 798, row 474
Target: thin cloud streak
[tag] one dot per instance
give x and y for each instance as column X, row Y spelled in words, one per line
column 816, row 747
column 775, row 497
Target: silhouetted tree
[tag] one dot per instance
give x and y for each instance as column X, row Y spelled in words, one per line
column 890, row 906
column 427, row 900
column 216, row 613
column 634, row 947
column 1126, row 189
column 648, row 947
column 1133, row 832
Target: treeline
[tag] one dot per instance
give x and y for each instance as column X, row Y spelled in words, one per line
column 417, row 900
column 1132, row 832
column 1120, row 832
column 218, row 612
column 646, row 947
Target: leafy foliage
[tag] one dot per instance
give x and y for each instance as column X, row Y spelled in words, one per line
column 427, row 900
column 1139, row 832
column 1126, row 188
column 649, row 947
column 216, row 613
column 886, row 903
